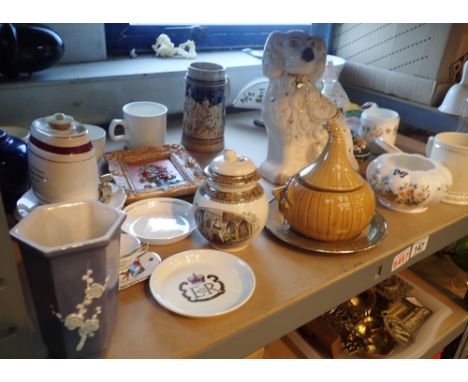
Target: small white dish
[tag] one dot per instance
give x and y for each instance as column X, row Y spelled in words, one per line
column 159, row 221
column 202, row 283
column 136, row 262
column 29, row 201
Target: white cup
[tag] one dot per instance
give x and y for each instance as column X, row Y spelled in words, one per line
column 98, row 139
column 144, row 124
column 451, row 150
column 379, row 122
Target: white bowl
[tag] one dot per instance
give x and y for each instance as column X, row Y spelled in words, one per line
column 128, row 244
column 98, row 138
column 408, row 182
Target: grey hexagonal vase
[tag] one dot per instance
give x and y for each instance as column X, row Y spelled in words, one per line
column 71, row 257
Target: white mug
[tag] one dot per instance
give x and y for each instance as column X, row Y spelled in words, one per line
column 144, row 124
column 451, row 150
column 379, row 122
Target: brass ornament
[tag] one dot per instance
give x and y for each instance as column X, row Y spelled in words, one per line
column 372, row 323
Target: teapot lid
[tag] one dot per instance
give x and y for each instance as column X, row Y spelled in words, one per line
column 231, row 168
column 59, row 130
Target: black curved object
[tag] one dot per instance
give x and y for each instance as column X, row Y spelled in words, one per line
column 28, row 48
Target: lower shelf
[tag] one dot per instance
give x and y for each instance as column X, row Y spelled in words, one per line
column 448, row 321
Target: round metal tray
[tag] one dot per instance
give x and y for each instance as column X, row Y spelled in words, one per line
column 374, row 233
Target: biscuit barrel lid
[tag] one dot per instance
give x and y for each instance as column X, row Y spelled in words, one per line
column 60, row 134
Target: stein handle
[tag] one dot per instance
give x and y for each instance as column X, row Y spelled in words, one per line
column 120, row 137
column 228, row 88
column 429, row 146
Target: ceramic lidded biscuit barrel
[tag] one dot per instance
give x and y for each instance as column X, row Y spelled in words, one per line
column 231, row 208
column 328, row 200
column 62, row 160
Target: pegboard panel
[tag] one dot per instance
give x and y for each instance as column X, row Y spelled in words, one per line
column 415, row 49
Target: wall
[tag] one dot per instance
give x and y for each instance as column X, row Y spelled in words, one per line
column 83, row 42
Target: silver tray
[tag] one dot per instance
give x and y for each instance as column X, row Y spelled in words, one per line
column 374, row 233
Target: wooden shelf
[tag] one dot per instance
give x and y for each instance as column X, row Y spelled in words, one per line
column 293, row 286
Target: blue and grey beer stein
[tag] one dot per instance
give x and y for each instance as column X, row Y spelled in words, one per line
column 204, row 108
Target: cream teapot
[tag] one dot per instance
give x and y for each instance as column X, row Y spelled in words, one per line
column 61, row 159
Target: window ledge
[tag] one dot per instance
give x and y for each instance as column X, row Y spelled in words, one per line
column 95, row 92
column 121, row 68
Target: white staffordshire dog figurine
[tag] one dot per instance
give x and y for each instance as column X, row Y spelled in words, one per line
column 293, row 109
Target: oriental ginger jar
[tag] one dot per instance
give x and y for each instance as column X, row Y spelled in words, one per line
column 328, row 200
column 408, row 182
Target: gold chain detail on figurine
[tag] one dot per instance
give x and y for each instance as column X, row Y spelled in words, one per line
column 302, row 81
column 231, row 197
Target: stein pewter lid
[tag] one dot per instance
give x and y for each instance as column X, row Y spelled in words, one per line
column 206, row 71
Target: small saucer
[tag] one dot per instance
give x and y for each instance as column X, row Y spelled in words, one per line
column 202, row 283
column 369, row 237
column 29, row 201
column 159, row 221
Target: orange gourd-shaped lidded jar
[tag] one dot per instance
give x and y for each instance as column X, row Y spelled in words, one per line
column 328, row 200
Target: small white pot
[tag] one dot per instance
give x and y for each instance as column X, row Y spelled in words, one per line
column 62, row 161
column 408, row 182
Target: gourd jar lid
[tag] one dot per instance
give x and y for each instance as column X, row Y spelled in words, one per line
column 60, row 130
column 332, row 171
column 231, row 168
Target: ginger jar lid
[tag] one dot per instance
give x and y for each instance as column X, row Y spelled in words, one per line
column 332, row 171
column 60, row 133
column 231, row 168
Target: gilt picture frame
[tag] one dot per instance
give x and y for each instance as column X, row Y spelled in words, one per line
column 155, row 171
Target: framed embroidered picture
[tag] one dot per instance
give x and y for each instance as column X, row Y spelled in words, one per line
column 164, row 170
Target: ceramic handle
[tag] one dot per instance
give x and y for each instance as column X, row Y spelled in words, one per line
column 429, row 145
column 278, row 192
column 228, row 88
column 121, row 137
column 464, row 79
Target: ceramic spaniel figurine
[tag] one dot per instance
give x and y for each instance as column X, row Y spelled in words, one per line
column 293, row 108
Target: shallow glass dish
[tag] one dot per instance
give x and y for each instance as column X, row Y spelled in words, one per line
column 159, row 221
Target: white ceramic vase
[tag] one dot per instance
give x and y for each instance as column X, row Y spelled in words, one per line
column 456, row 95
